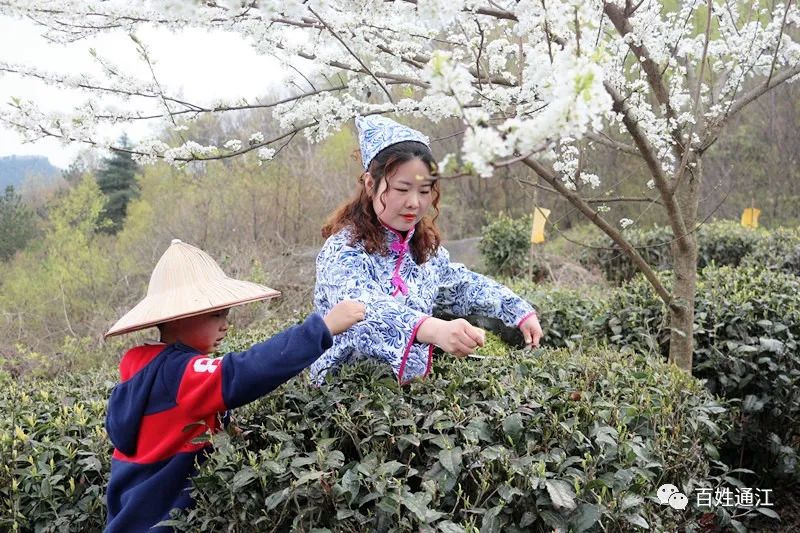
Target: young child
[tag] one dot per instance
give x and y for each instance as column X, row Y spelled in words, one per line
column 172, row 392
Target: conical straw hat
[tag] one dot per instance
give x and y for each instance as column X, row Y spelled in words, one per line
column 187, row 282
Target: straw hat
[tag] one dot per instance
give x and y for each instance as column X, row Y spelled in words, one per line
column 187, row 282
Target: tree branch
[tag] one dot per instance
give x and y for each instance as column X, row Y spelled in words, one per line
column 714, row 127
column 654, row 78
column 599, row 200
column 597, row 220
column 350, row 51
column 650, row 158
column 696, row 105
column 605, row 140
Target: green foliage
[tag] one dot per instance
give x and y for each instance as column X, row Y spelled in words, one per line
column 17, row 224
column 725, row 242
column 777, row 250
column 56, row 456
column 512, row 443
column 61, row 286
column 117, row 180
column 505, row 243
column 652, row 244
column 566, row 314
column 721, row 242
column 746, row 334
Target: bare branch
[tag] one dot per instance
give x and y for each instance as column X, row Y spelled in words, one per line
column 599, row 200
column 146, row 57
column 778, row 41
column 605, row 140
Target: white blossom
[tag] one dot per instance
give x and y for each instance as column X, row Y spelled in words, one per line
column 234, row 145
column 256, row 138
column 522, row 81
column 625, row 222
column 265, row 154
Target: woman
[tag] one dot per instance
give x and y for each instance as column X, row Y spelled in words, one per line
column 384, row 250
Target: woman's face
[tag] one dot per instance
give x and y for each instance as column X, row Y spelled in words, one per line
column 403, row 197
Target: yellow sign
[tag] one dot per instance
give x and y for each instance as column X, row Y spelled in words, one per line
column 750, row 217
column 540, row 215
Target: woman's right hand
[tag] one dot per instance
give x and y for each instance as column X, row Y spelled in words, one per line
column 457, row 337
column 343, row 315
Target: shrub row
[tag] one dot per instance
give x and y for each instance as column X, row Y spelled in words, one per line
column 746, row 334
column 507, row 443
column 505, row 245
column 514, row 442
column 719, row 243
column 56, row 455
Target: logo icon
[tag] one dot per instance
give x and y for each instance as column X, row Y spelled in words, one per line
column 206, row 365
column 670, row 495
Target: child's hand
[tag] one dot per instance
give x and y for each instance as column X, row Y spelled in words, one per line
column 343, row 315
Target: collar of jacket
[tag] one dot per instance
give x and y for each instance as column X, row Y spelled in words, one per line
column 399, row 245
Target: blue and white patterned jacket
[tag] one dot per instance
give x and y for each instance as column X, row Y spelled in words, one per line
column 399, row 295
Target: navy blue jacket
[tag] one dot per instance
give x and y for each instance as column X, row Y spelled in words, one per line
column 170, row 395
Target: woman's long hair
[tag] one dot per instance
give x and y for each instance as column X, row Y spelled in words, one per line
column 360, row 218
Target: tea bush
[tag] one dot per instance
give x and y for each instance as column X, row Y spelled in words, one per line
column 725, row 243
column 722, row 242
column 567, row 315
column 517, row 441
column 510, row 443
column 746, row 334
column 652, row 244
column 505, row 245
column 778, row 250
column 56, row 456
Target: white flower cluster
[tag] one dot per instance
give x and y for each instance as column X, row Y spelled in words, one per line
column 233, row 145
column 265, row 154
column 256, row 138
column 527, row 77
column 449, row 77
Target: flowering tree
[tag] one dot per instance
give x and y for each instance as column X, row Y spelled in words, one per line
column 531, row 80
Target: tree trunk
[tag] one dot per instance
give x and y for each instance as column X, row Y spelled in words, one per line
column 684, row 253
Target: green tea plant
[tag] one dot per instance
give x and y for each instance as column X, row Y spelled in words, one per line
column 56, row 456
column 521, row 442
column 746, row 331
column 504, row 245
column 721, row 243
column 778, row 250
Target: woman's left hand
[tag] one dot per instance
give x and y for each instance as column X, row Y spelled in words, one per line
column 531, row 331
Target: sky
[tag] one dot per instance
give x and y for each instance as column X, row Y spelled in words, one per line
column 201, row 65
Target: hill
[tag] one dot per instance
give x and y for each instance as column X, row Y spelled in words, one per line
column 15, row 169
